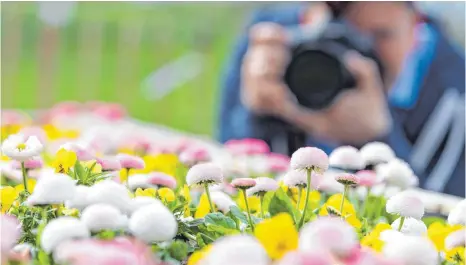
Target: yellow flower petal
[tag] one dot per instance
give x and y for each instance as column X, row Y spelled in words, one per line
column 203, row 208
column 31, row 185
column 254, row 203
column 64, row 160
column 278, row 235
column 197, row 256
column 8, row 196
column 166, row 194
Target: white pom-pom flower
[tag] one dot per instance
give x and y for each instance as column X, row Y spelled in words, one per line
column 397, row 173
column 412, row 250
column 376, row 152
column 102, row 216
column 457, row 216
column 79, row 200
column 389, row 235
column 153, row 223
column 141, row 201
column 346, row 158
column 411, row 227
column 309, row 158
column 112, row 193
column 329, row 184
column 62, row 229
column 455, row 239
column 406, row 204
column 237, row 249
column 53, row 189
column 263, row 185
column 139, row 181
column 298, row 178
column 328, row 233
column 222, row 201
column 202, row 173
column 17, row 147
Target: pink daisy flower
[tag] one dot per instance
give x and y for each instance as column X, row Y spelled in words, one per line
column 278, row 163
column 194, row 155
column 309, row 158
column 34, row 163
column 263, row 185
column 243, row 183
column 109, row 163
column 162, row 179
column 347, row 179
column 129, row 161
column 346, row 158
column 367, row 178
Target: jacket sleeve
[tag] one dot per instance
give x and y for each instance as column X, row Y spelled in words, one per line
column 230, row 105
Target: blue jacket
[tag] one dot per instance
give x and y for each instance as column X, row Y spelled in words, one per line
column 428, row 118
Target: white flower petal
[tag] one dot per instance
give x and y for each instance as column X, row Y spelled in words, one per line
column 62, row 229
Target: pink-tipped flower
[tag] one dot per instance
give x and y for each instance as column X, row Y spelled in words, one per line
column 243, row 183
column 456, row 239
column 118, row 251
column 12, row 117
column 295, row 178
column 306, row 158
column 162, row 179
column 347, row 179
column 307, row 258
column 405, row 204
column 82, row 152
column 263, row 185
column 367, row 178
column 129, row 161
column 376, row 152
column 255, row 146
column 9, row 233
column 346, row 158
column 111, row 112
column 194, row 155
column 278, row 163
column 66, row 108
column 203, row 173
column 411, row 227
column 328, row 233
column 34, row 163
column 412, row 250
column 109, row 163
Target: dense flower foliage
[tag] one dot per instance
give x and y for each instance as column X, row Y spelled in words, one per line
column 94, row 188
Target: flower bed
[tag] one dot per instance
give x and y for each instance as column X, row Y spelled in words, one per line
column 84, row 184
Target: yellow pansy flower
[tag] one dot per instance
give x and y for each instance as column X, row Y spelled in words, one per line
column 198, row 255
column 456, row 255
column 54, row 133
column 64, row 160
column 165, row 163
column 348, row 209
column 8, row 196
column 278, row 235
column 31, row 185
column 166, row 194
column 187, row 196
column 314, row 198
column 149, row 192
column 372, row 240
column 437, row 232
column 203, row 208
column 253, row 201
column 97, row 167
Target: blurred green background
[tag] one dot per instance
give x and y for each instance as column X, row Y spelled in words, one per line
column 105, row 50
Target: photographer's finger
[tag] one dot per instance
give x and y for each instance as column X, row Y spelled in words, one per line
column 267, row 32
column 364, row 70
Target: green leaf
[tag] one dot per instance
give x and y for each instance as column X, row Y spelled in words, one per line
column 281, row 203
column 220, row 229
column 200, row 240
column 80, row 171
column 178, row 250
column 43, row 258
column 267, row 199
column 239, row 214
column 89, row 170
column 219, row 219
column 195, row 222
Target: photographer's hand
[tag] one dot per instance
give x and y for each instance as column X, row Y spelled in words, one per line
column 357, row 116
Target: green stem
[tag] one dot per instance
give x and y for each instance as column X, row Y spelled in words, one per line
column 247, row 209
column 206, row 186
column 343, row 201
column 25, row 183
column 189, row 236
column 308, row 191
column 402, row 220
column 365, row 203
column 300, row 191
column 262, row 205
column 127, row 177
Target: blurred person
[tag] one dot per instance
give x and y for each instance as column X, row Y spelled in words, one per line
column 418, row 109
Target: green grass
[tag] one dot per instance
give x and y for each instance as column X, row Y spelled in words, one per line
column 167, row 31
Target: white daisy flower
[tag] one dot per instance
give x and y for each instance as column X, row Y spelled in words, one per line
column 374, row 153
column 412, row 250
column 457, row 216
column 112, row 193
column 222, row 201
column 79, row 200
column 62, row 229
column 456, row 239
column 389, row 235
column 53, row 189
column 153, row 224
column 141, row 201
column 329, row 184
column 102, row 216
column 298, row 178
column 263, row 185
column 139, row 181
column 405, row 204
column 397, row 173
column 411, row 227
column 237, row 249
column 204, row 173
column 346, row 158
column 17, row 147
column 328, row 233
column 309, row 158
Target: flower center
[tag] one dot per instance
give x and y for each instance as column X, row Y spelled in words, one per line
column 21, row 146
